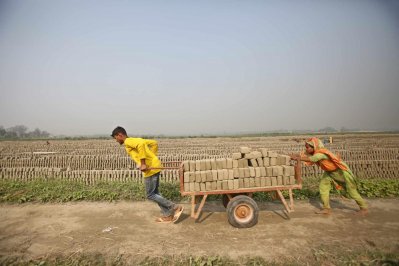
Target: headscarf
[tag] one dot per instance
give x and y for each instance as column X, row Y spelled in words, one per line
column 332, row 163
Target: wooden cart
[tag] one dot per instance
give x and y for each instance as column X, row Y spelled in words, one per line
column 242, row 210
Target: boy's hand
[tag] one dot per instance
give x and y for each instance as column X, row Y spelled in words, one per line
column 143, row 167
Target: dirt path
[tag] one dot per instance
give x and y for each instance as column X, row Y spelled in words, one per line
column 40, row 230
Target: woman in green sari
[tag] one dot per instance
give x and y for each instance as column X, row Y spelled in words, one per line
column 336, row 172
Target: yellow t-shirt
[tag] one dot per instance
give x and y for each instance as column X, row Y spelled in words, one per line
column 147, row 149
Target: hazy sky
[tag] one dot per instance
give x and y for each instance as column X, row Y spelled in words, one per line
column 192, row 67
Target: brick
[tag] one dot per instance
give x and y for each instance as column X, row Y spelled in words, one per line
column 186, row 177
column 197, row 187
column 236, row 155
column 236, row 173
column 263, row 181
column 219, row 164
column 209, row 176
column 264, row 152
column 208, row 186
column 192, row 177
column 249, row 156
column 280, row 180
column 253, row 163
column 251, row 172
column 229, row 163
column 252, row 182
column 202, row 165
column 292, row 170
column 241, row 183
column 256, row 154
column 203, row 176
column 266, row 161
column 246, row 182
column 214, row 175
column 197, row 165
column 186, row 166
column 292, row 180
column 236, row 184
column 269, row 171
column 202, row 187
column 219, row 185
column 192, row 186
column 198, row 177
column 273, row 161
column 231, row 174
column 257, row 172
column 224, row 163
column 263, row 171
column 241, row 172
column 213, row 164
column 214, row 185
column 230, row 184
column 186, row 186
column 235, row 163
column 274, row 171
column 272, row 154
column 192, row 166
column 225, row 174
column 225, row 185
column 220, row 174
column 286, row 170
column 260, row 162
column 246, row 172
column 287, row 159
column 208, row 165
column 245, row 150
column 279, row 170
column 257, row 181
column 274, row 180
column 280, row 160
column 286, row 180
column 268, row 181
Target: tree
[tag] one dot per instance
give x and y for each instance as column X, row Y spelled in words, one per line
column 19, row 130
column 2, row 131
column 328, row 130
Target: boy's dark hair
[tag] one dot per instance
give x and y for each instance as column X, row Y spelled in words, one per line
column 118, row 130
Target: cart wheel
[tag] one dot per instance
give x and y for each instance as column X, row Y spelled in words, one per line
column 226, row 200
column 242, row 212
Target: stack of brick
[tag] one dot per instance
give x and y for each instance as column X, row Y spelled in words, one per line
column 245, row 169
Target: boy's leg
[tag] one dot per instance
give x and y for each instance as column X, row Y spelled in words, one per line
column 151, row 185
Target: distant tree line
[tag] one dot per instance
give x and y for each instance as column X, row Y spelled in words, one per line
column 21, row 132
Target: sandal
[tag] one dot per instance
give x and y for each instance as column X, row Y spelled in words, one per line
column 164, row 219
column 178, row 212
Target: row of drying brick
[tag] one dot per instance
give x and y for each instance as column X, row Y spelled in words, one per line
column 257, row 182
column 229, row 174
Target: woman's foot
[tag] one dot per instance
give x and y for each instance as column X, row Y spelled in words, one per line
column 324, row 211
column 362, row 212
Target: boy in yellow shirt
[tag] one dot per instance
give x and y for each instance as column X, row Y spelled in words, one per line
column 144, row 153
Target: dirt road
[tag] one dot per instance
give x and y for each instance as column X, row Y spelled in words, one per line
column 40, row 230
